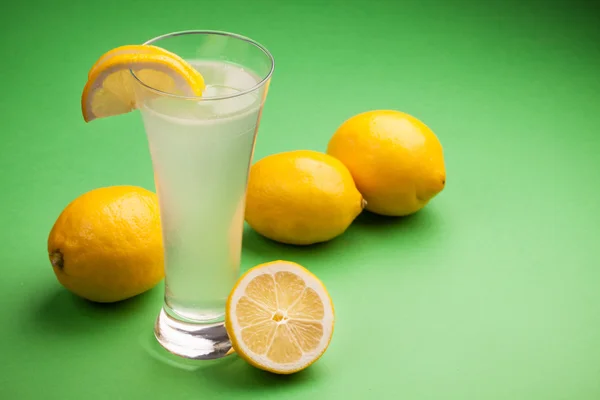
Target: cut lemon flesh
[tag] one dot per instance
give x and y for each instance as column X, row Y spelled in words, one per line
column 110, row 87
column 280, row 317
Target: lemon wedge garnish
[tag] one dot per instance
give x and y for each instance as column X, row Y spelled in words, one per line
column 110, row 87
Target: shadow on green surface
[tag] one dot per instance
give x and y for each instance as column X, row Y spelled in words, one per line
column 229, row 374
column 369, row 219
column 263, row 250
column 424, row 223
column 235, row 374
column 412, row 230
column 61, row 312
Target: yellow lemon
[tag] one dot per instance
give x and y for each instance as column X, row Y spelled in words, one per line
column 110, row 87
column 301, row 197
column 106, row 245
column 396, row 161
column 279, row 317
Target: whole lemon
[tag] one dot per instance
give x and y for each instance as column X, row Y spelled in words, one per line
column 106, row 245
column 301, row 197
column 396, row 161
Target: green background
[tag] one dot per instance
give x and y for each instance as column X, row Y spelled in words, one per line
column 491, row 292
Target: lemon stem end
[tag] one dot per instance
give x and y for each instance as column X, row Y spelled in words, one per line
column 56, row 259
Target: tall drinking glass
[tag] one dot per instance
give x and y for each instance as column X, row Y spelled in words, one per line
column 201, row 149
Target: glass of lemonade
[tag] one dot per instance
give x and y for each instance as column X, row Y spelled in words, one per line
column 201, row 149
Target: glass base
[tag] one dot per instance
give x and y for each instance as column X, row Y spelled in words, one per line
column 189, row 340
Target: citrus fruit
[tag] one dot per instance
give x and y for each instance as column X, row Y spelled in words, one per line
column 301, row 197
column 396, row 161
column 279, row 317
column 106, row 245
column 110, row 87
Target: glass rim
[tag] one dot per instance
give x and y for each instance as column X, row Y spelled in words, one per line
column 262, row 48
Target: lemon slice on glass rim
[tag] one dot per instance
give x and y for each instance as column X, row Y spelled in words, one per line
column 279, row 317
column 110, row 87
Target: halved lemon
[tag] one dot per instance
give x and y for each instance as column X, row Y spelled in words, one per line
column 110, row 87
column 279, row 317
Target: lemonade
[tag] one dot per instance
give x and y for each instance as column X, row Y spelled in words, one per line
column 200, row 94
column 201, row 151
